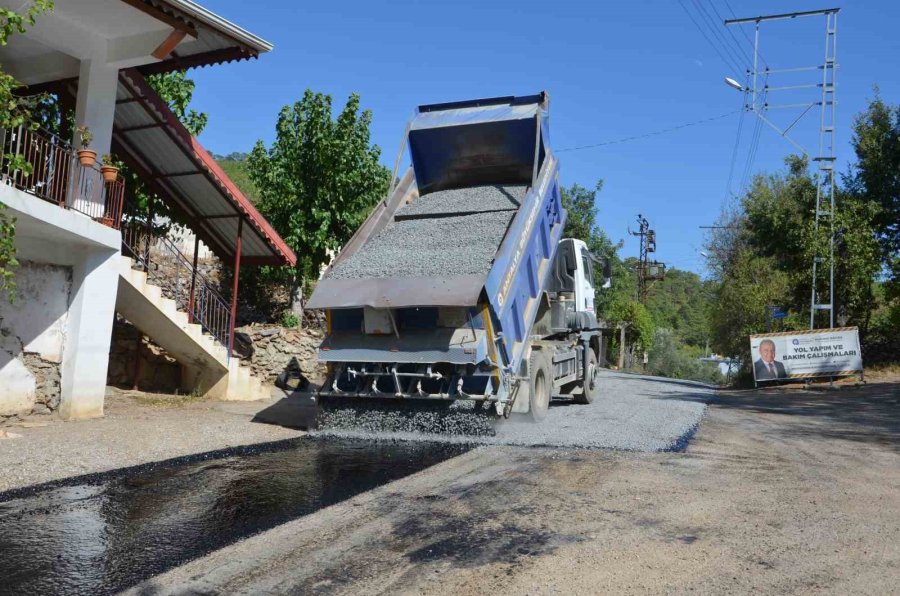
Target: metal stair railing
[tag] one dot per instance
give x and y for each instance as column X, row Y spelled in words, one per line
column 167, row 267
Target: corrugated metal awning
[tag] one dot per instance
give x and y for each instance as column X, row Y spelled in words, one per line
column 212, row 39
column 151, row 140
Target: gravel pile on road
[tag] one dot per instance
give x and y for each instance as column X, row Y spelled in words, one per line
column 634, row 413
column 372, row 420
column 476, row 199
column 459, row 245
column 448, row 232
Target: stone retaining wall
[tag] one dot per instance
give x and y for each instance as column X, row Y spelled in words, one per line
column 271, row 349
column 158, row 371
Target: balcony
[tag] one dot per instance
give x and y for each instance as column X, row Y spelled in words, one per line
column 57, row 176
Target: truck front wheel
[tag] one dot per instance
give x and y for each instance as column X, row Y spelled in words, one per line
column 589, row 387
column 540, row 373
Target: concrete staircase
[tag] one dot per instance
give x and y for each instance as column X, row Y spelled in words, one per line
column 207, row 368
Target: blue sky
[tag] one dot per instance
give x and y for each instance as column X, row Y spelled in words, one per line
column 613, row 70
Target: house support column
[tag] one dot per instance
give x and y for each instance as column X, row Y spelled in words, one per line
column 95, row 279
column 95, row 106
column 234, row 290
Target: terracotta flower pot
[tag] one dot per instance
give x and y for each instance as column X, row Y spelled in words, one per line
column 87, row 157
column 109, row 173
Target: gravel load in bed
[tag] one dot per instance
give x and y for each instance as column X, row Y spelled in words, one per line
column 461, row 245
column 452, row 232
column 476, row 199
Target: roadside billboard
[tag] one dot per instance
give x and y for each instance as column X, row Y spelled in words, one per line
column 805, row 354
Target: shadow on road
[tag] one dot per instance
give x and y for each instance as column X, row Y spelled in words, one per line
column 867, row 414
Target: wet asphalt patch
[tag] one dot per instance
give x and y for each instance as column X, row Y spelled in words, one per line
column 103, row 533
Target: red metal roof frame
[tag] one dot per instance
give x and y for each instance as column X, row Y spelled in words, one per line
column 169, row 14
column 190, row 147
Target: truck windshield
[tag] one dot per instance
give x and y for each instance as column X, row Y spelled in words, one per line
column 587, row 259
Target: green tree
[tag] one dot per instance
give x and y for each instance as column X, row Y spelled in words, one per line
column 764, row 257
column 239, row 172
column 875, row 177
column 14, row 111
column 178, row 91
column 681, row 304
column 668, row 357
column 317, row 182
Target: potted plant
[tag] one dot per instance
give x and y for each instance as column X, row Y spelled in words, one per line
column 86, row 157
column 110, row 167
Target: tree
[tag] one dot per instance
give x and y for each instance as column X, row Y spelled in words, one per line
column 681, row 304
column 763, row 257
column 317, row 182
column 235, row 166
column 178, row 91
column 14, row 111
column 875, row 177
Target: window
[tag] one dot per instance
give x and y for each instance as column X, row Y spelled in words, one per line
column 588, row 261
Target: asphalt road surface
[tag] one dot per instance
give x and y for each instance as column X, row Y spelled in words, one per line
column 778, row 491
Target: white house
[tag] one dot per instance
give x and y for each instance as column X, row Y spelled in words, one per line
column 71, row 233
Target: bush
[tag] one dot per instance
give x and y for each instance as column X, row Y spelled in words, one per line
column 289, row 319
column 668, row 359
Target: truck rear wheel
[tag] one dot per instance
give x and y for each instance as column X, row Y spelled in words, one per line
column 540, row 376
column 589, row 388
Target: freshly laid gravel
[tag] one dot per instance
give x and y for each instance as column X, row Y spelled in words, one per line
column 466, row 200
column 633, row 413
column 460, row 245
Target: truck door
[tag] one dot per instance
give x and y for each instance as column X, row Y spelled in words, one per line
column 585, row 293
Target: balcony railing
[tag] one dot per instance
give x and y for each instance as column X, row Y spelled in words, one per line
column 57, row 176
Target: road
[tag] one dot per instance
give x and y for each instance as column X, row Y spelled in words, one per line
column 779, row 491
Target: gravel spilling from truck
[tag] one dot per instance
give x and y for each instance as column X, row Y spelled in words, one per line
column 634, row 413
column 372, row 419
column 450, row 232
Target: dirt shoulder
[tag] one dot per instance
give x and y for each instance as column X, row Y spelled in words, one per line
column 137, row 428
column 779, row 492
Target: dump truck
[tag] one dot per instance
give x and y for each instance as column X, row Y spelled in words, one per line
column 459, row 285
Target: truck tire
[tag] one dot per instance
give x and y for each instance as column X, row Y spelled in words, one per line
column 589, row 388
column 540, row 378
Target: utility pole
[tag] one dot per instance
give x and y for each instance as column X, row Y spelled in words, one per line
column 825, row 158
column 648, row 271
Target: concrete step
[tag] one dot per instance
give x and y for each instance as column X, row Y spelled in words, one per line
column 153, row 294
column 158, row 317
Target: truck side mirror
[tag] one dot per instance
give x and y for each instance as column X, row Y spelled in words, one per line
column 607, row 268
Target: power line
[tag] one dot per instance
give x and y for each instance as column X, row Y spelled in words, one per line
column 737, row 44
column 727, row 62
column 747, row 37
column 734, row 152
column 717, row 33
column 649, row 134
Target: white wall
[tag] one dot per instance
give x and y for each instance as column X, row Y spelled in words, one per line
column 38, row 315
column 35, row 322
